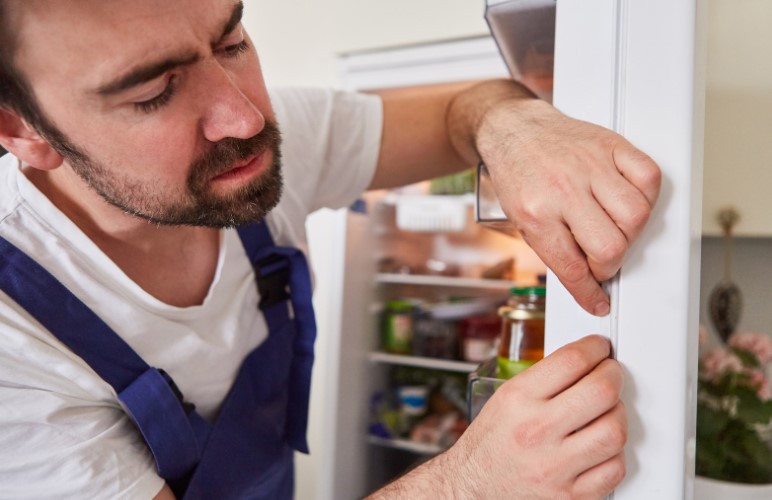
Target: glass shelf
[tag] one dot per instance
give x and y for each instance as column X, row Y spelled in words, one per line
column 446, row 281
column 419, row 362
column 406, row 445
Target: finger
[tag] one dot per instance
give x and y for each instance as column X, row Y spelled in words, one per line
column 624, row 204
column 592, row 396
column 638, row 168
column 556, row 246
column 599, row 441
column 598, row 482
column 602, row 242
column 564, row 367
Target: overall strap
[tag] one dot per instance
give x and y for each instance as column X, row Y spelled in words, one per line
column 141, row 388
column 284, row 283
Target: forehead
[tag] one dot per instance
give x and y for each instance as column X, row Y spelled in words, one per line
column 85, row 42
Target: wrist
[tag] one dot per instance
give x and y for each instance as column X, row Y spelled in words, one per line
column 437, row 478
column 468, row 115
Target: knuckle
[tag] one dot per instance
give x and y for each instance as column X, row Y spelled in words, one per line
column 613, row 250
column 650, row 175
column 561, row 184
column 614, row 475
column 605, row 392
column 639, row 215
column 529, row 214
column 615, row 436
column 577, row 360
column 574, row 271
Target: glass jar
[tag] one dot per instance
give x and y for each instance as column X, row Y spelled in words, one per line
column 521, row 343
column 398, row 327
column 478, row 337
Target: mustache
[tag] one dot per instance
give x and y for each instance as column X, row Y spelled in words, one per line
column 230, row 151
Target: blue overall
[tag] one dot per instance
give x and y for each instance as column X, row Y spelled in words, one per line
column 247, row 453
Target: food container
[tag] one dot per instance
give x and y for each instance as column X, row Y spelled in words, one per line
column 521, row 343
column 397, row 327
column 481, row 386
column 435, row 338
column 479, row 335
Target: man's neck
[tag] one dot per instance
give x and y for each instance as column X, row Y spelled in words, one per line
column 175, row 264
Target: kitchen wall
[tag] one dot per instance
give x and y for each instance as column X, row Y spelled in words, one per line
column 738, row 154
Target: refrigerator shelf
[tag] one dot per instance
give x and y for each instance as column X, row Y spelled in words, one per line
column 446, row 281
column 419, row 362
column 406, row 445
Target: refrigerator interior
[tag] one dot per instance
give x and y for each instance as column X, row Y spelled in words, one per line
column 397, row 248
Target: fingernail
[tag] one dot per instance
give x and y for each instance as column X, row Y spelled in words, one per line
column 602, row 308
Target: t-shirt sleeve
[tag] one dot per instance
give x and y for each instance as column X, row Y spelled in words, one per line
column 331, row 141
column 62, row 433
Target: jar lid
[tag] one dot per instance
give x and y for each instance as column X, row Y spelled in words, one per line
column 538, row 291
column 399, row 305
column 520, row 314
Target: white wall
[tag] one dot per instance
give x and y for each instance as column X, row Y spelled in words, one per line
column 738, row 115
column 294, row 39
column 298, row 40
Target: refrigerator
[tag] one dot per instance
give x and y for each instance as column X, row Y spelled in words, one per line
column 634, row 67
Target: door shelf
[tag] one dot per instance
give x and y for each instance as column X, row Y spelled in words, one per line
column 419, row 362
column 406, row 445
column 444, row 281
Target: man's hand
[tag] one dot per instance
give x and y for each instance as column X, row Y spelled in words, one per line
column 557, row 430
column 579, row 194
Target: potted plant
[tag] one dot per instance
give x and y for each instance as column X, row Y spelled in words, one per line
column 734, row 419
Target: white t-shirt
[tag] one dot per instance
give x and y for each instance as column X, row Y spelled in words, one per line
column 63, row 433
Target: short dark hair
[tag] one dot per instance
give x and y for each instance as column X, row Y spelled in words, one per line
column 16, row 93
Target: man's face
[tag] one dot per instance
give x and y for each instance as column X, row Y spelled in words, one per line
column 162, row 101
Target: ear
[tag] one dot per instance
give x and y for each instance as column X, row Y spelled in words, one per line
column 24, row 142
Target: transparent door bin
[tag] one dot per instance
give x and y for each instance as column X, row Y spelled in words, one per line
column 488, row 211
column 482, row 384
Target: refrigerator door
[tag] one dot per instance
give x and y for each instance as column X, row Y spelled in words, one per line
column 638, row 68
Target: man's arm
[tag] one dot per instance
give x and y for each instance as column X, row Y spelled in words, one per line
column 557, row 430
column 579, row 194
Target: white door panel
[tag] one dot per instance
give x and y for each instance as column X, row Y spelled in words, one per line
column 637, row 67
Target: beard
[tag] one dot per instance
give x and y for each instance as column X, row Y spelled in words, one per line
column 199, row 206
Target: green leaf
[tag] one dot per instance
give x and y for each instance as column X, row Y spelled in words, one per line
column 747, row 357
column 710, row 422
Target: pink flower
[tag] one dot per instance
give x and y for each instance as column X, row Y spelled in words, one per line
column 719, row 360
column 759, row 344
column 760, row 381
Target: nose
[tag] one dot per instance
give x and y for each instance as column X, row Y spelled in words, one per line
column 228, row 112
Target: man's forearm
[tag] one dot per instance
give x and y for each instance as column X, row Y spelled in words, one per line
column 429, row 131
column 431, row 480
column 467, row 110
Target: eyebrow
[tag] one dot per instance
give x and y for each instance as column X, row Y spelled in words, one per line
column 235, row 19
column 153, row 70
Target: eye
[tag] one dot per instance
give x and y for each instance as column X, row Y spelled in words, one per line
column 236, row 49
column 160, row 100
